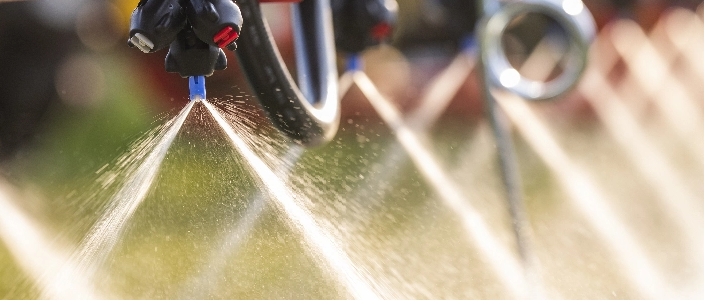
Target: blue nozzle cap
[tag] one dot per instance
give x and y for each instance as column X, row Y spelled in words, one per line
column 468, row 43
column 354, row 62
column 196, row 84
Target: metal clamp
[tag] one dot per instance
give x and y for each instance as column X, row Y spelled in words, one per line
column 571, row 15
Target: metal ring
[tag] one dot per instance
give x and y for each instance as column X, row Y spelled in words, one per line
column 307, row 112
column 571, row 15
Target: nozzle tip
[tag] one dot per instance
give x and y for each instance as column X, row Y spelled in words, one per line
column 196, row 84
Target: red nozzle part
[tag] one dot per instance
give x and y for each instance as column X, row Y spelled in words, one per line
column 226, row 36
column 381, row 31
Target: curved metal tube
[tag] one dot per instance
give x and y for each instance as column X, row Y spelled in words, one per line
column 309, row 114
column 571, row 15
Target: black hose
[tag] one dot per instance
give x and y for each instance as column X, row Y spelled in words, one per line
column 309, row 114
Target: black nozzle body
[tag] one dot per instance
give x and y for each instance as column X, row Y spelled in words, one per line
column 360, row 24
column 189, row 56
column 194, row 30
column 158, row 22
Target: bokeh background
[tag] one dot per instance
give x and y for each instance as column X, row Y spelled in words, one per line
column 51, row 52
column 74, row 98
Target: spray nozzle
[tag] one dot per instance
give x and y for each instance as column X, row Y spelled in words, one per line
column 362, row 23
column 193, row 30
